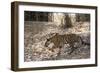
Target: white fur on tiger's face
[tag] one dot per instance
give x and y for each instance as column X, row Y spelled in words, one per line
column 50, row 45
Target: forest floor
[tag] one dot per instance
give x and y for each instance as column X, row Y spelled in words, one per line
column 37, row 33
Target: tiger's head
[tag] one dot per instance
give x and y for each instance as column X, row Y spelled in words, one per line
column 50, row 42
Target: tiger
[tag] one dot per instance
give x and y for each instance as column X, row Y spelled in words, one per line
column 73, row 40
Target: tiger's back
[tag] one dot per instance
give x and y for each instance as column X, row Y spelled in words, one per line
column 60, row 40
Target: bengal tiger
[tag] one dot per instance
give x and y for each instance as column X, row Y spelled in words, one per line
column 59, row 41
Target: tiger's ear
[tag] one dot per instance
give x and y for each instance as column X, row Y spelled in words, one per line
column 53, row 34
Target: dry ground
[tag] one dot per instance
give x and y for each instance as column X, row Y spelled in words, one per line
column 36, row 34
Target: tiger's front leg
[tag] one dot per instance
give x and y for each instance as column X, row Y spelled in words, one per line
column 72, row 50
